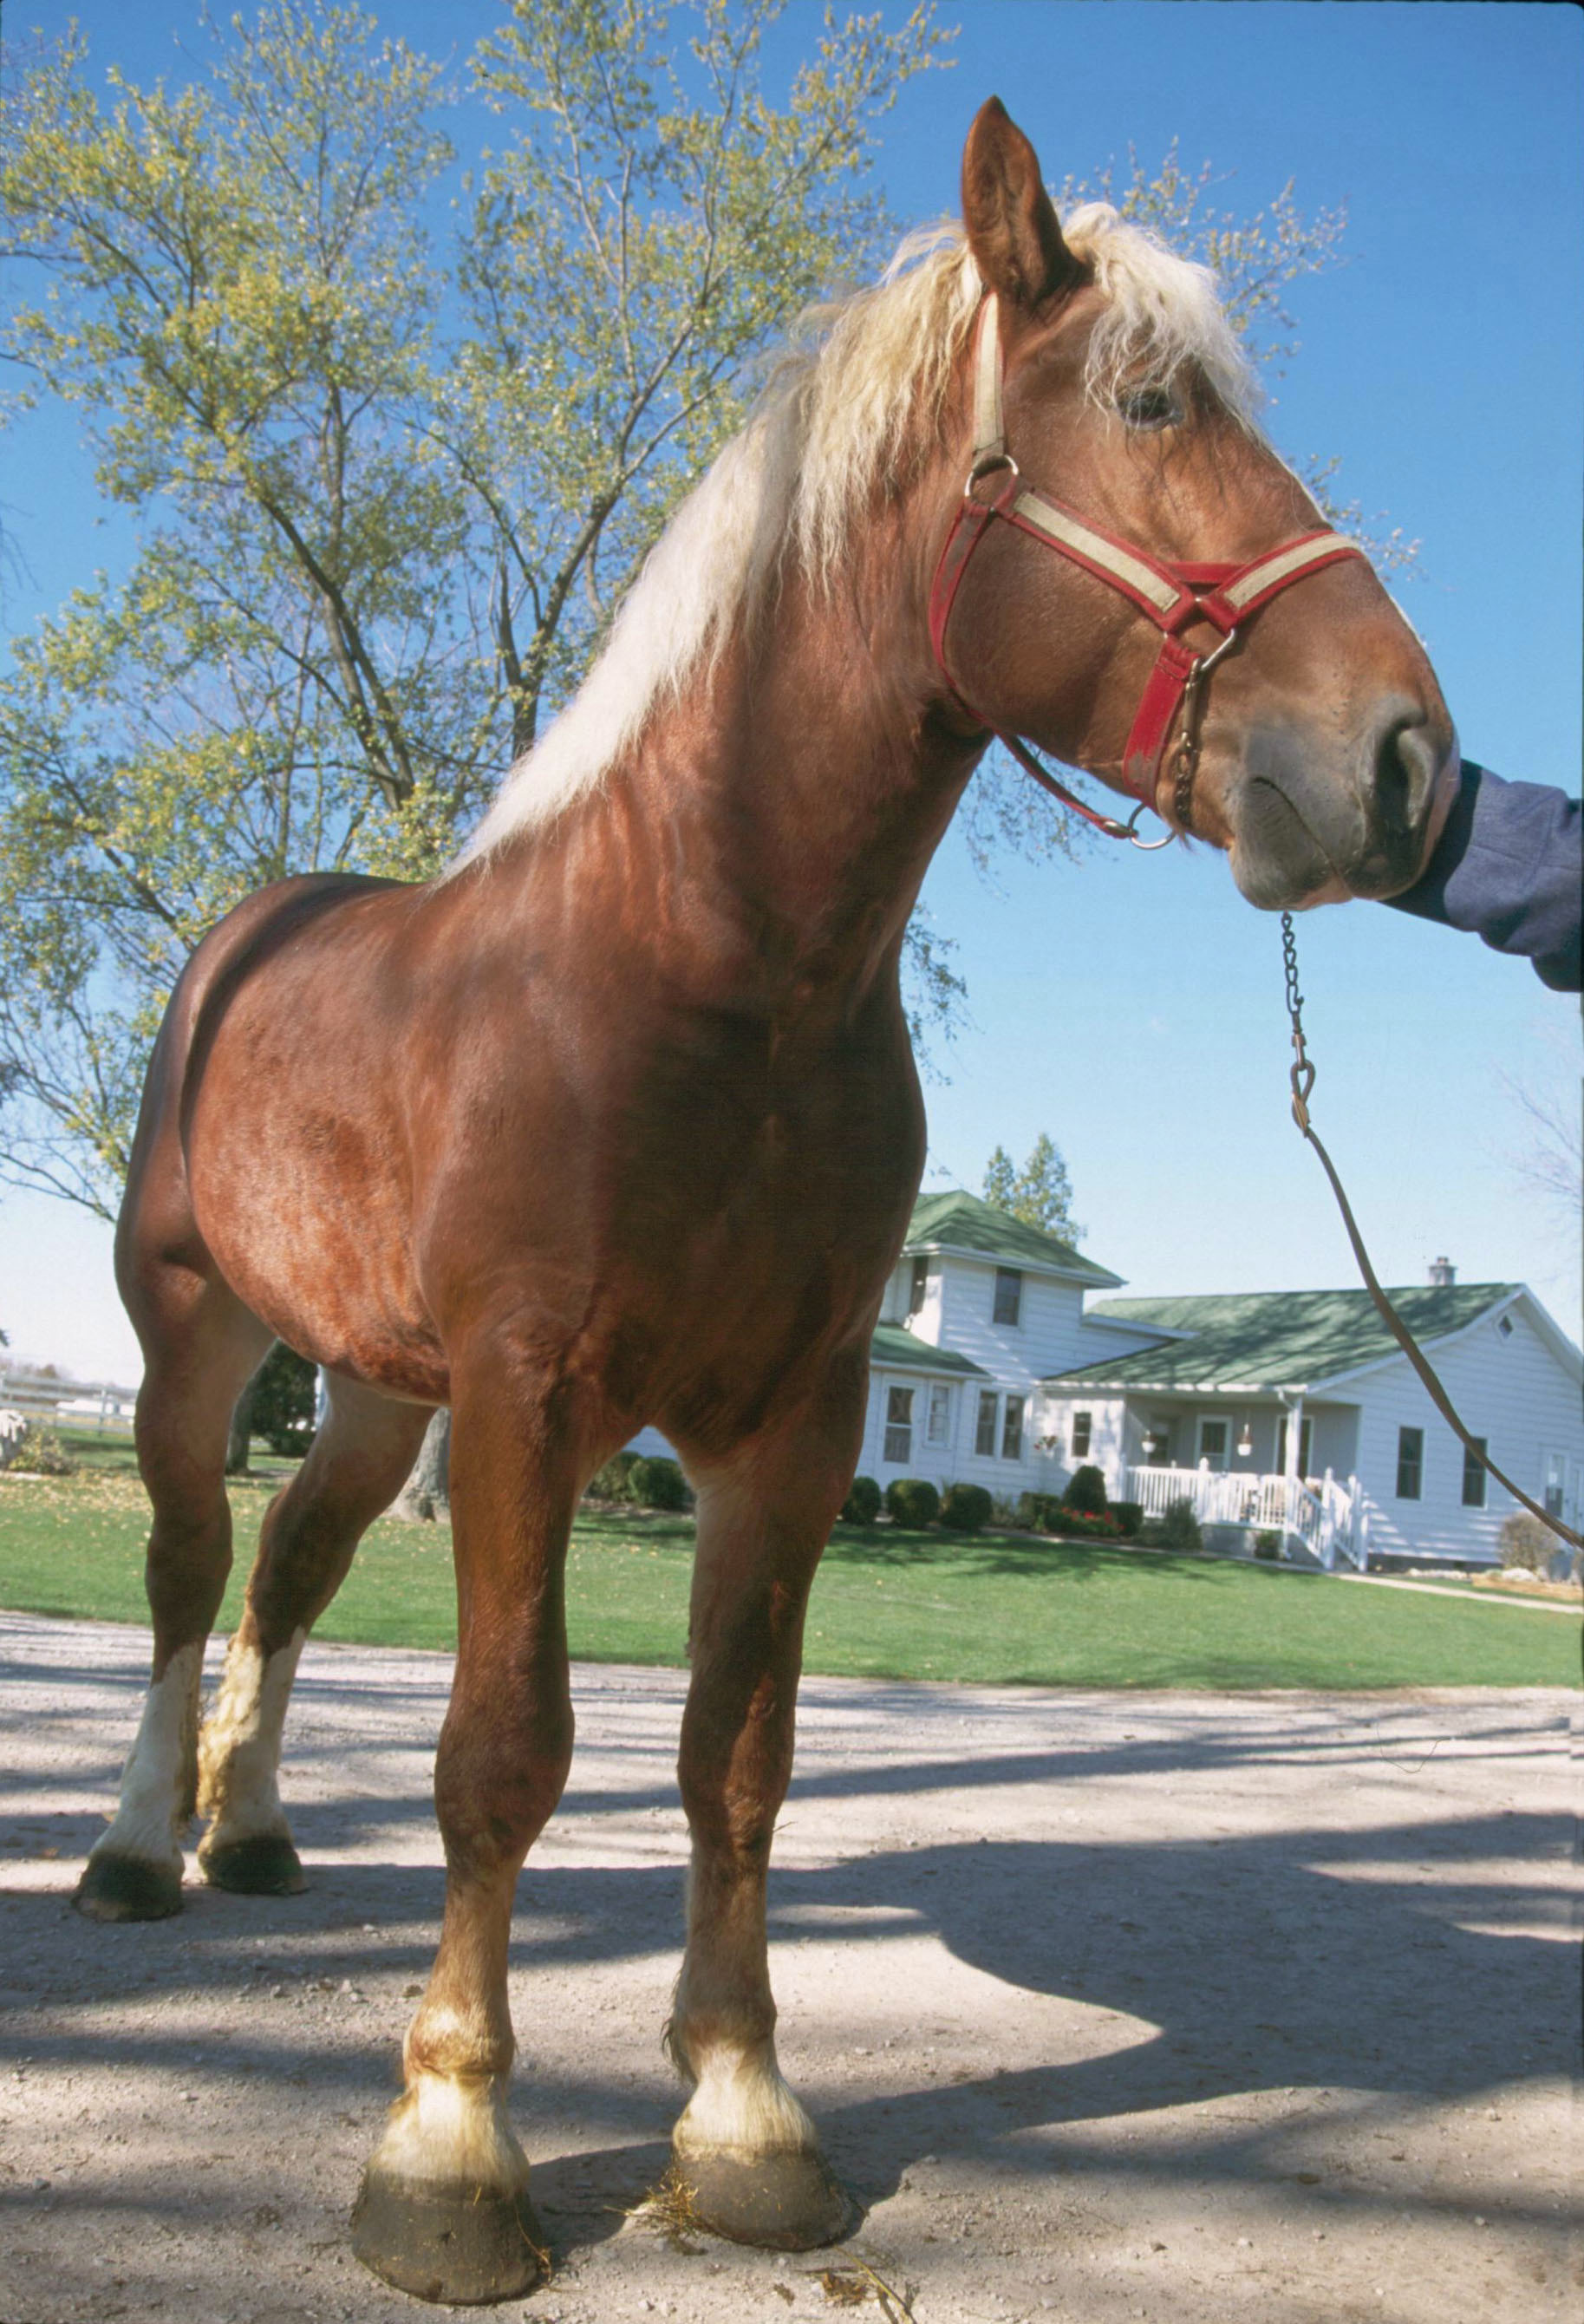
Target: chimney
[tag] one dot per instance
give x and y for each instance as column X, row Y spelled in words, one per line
column 1443, row 1272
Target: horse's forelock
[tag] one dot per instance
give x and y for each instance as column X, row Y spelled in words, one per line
column 1162, row 313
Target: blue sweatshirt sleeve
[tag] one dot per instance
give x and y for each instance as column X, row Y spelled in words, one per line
column 1509, row 868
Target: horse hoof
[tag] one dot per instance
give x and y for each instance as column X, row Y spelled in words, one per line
column 267, row 1865
column 782, row 2202
column 461, row 2244
column 117, row 1887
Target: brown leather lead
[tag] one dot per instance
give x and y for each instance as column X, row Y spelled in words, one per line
column 1303, row 1081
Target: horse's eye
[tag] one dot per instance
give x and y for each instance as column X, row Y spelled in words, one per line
column 1148, row 408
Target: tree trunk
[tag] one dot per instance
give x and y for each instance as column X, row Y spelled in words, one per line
column 238, row 1443
column 427, row 1493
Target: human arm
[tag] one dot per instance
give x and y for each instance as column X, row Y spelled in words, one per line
column 1509, row 868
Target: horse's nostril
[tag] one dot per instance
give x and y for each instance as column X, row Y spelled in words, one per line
column 1407, row 762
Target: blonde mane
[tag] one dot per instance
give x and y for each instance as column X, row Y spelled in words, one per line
column 851, row 403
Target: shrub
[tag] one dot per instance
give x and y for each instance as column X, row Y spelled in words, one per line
column 39, row 1452
column 966, row 1508
column 1129, row 1517
column 1086, row 1490
column 912, row 1503
column 1179, row 1529
column 657, row 1483
column 863, row 1504
column 1267, row 1543
column 282, row 1400
column 1526, row 1544
column 614, row 1482
column 1082, row 1525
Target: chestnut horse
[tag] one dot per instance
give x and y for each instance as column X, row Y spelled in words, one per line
column 618, row 1123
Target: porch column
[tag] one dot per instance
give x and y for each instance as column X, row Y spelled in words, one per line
column 1290, row 1468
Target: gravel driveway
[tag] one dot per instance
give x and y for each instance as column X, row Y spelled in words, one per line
column 1179, row 2007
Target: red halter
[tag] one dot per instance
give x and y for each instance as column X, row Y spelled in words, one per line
column 1170, row 596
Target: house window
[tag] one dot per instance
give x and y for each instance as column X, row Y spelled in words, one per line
column 899, row 1423
column 1305, row 1445
column 1212, row 1443
column 1556, row 1484
column 1012, row 1430
column 937, row 1427
column 1410, row 1463
column 1080, row 1428
column 1158, row 1445
column 1473, row 1477
column 984, row 1435
column 918, row 1285
column 1504, row 1326
column 1008, row 1294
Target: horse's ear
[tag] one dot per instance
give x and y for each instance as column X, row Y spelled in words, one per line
column 1012, row 227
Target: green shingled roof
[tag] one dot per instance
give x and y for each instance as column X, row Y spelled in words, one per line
column 1276, row 1339
column 900, row 1351
column 956, row 1220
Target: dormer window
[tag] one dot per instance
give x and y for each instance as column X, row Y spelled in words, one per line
column 917, row 1287
column 1008, row 1304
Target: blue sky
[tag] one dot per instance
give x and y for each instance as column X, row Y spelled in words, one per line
column 1132, row 1005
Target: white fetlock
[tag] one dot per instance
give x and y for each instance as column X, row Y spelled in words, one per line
column 239, row 1750
column 155, row 1786
column 452, row 2130
column 742, row 2106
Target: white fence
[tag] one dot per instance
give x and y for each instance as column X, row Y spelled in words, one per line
column 98, row 1405
column 1330, row 1519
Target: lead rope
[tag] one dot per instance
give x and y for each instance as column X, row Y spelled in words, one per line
column 1301, row 1078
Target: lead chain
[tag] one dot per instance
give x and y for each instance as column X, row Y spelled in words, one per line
column 1301, row 1075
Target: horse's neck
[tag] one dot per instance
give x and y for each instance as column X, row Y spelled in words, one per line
column 780, row 816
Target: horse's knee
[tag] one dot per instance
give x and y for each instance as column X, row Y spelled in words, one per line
column 500, row 1771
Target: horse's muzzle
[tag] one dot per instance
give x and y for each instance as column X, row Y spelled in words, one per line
column 1312, row 821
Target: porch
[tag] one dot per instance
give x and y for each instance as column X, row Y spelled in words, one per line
column 1323, row 1518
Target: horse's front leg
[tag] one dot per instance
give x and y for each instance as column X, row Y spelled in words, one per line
column 444, row 2209
column 744, row 2146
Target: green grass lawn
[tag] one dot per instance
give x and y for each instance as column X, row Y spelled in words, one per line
column 886, row 1605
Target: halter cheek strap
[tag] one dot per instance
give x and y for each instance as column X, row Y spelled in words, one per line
column 1171, row 596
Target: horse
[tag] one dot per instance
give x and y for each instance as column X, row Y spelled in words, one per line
column 616, row 1121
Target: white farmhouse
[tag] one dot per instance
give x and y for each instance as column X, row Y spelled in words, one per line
column 1293, row 1412
column 978, row 1310
column 1290, row 1412
column 1296, row 1411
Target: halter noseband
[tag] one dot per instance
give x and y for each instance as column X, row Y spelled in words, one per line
column 1170, row 596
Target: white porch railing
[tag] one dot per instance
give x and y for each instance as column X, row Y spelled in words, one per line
column 1331, row 1521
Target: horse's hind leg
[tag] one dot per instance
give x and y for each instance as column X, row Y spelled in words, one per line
column 355, row 1469
column 744, row 2145
column 199, row 1346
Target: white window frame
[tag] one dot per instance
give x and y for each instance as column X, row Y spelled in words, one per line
column 1082, row 1425
column 985, row 1424
column 894, row 1424
column 937, row 1406
column 1014, row 1404
column 1010, row 1277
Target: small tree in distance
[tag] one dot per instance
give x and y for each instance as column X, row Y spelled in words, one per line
column 1040, row 1195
